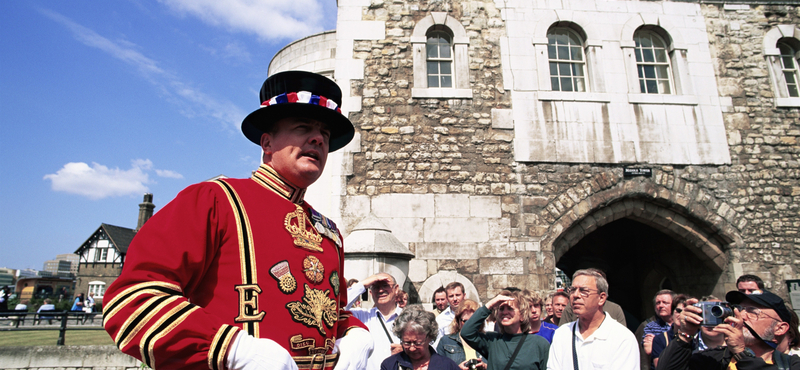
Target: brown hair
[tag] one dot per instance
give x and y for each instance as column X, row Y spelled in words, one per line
column 524, row 310
column 465, row 306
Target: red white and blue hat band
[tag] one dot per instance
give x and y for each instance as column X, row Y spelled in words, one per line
column 302, row 97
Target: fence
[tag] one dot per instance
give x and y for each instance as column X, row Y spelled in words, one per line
column 19, row 317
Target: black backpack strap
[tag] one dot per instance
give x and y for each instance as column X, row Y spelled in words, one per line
column 516, row 351
column 781, row 360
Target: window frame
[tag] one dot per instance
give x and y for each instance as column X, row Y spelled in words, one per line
column 439, row 60
column 460, row 66
column 666, row 65
column 789, row 35
column 571, row 62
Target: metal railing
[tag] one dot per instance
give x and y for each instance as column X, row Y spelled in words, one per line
column 62, row 317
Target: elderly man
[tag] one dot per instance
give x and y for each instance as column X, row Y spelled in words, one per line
column 758, row 325
column 748, row 284
column 379, row 319
column 439, row 301
column 660, row 322
column 595, row 340
column 661, row 340
column 243, row 273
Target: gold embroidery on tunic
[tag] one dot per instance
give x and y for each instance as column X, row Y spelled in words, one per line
column 304, row 234
column 334, row 280
column 316, row 310
column 314, row 269
column 298, row 343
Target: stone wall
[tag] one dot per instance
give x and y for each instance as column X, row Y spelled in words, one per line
column 89, row 272
column 66, row 357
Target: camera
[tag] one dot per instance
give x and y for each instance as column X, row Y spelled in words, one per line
column 714, row 313
column 473, row 364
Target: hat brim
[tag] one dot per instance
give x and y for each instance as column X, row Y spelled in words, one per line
column 262, row 119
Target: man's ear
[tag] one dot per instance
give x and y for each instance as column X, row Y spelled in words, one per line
column 782, row 328
column 603, row 297
column 266, row 141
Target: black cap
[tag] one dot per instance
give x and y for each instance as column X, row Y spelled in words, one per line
column 300, row 94
column 765, row 299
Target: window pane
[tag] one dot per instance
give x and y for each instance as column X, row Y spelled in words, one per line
column 580, row 84
column 433, row 68
column 638, row 53
column 648, row 55
column 642, row 87
column 566, row 84
column 652, row 87
column 641, row 72
column 551, row 52
column 789, row 77
column 793, row 91
column 561, row 39
column 646, row 42
column 577, row 53
column 649, row 71
column 445, row 66
column 663, row 86
column 577, row 69
column 661, row 55
column 433, row 81
column 447, row 81
column 563, row 69
column 432, row 50
column 788, row 62
column 554, row 83
column 662, row 72
column 444, row 51
column 553, row 69
column 563, row 52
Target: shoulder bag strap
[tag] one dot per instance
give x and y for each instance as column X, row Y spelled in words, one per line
column 516, row 351
column 380, row 318
column 574, row 352
column 781, row 359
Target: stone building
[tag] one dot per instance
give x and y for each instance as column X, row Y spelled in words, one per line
column 498, row 140
column 102, row 255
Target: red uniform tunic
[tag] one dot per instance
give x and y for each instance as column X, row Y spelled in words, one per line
column 229, row 255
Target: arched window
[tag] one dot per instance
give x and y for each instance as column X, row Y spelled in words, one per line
column 441, row 60
column 439, row 52
column 652, row 63
column 789, row 68
column 567, row 62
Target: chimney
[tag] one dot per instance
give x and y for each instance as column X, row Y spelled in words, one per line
column 145, row 210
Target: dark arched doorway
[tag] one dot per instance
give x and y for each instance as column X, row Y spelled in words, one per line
column 640, row 260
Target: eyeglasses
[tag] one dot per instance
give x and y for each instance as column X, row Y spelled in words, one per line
column 754, row 313
column 412, row 344
column 584, row 292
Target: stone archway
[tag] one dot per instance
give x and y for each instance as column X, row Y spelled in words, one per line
column 647, row 237
column 442, row 278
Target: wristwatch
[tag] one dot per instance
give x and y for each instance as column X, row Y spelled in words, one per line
column 746, row 353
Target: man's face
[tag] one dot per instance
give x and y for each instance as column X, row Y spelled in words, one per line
column 384, row 291
column 454, row 297
column 559, row 304
column 440, row 299
column 664, row 307
column 536, row 312
column 592, row 302
column 548, row 306
column 747, row 287
column 298, row 148
column 763, row 320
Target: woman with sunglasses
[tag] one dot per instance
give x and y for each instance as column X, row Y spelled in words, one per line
column 513, row 347
column 416, row 329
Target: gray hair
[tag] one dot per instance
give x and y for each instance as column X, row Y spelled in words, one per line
column 599, row 279
column 415, row 318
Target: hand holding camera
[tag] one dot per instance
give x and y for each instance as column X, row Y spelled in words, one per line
column 473, row 364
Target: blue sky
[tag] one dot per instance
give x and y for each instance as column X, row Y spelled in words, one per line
column 102, row 101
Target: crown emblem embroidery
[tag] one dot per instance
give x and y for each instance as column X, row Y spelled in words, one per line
column 304, row 234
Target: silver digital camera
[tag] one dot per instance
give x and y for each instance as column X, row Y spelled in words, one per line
column 714, row 313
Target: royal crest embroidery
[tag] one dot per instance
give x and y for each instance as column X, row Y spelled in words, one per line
column 286, row 282
column 313, row 269
column 305, row 235
column 298, row 342
column 334, row 280
column 315, row 310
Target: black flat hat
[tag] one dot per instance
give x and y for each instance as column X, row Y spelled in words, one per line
column 300, row 94
column 765, row 298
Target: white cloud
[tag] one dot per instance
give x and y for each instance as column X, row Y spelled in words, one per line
column 270, row 20
column 98, row 181
column 169, row 174
column 191, row 102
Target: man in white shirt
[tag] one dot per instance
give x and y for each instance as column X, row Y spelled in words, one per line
column 379, row 319
column 455, row 294
column 599, row 341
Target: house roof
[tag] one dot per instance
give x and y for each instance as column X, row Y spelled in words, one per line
column 119, row 236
